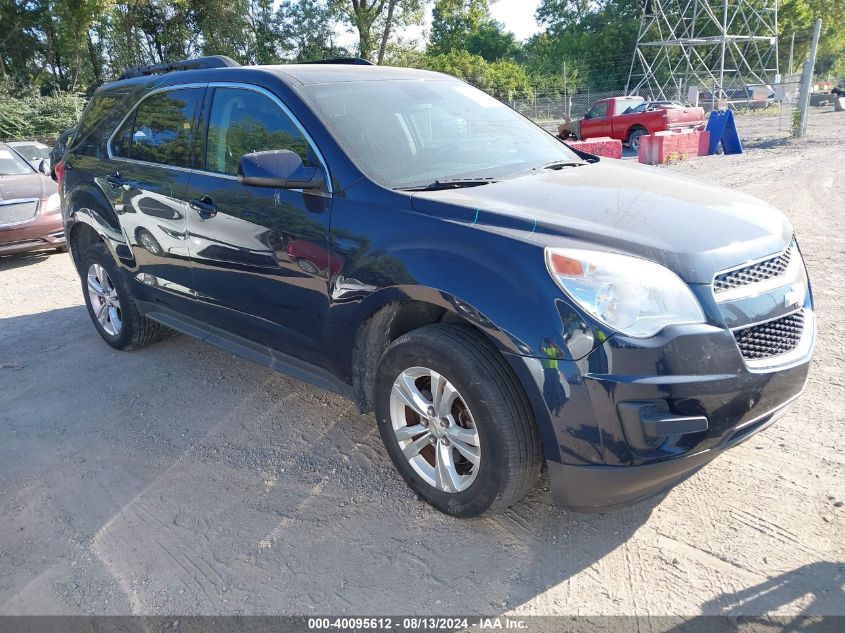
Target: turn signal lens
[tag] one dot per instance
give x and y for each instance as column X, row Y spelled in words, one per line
column 565, row 266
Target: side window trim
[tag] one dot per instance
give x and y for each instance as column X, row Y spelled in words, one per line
column 132, row 113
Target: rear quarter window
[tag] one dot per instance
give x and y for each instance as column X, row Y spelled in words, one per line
column 102, row 114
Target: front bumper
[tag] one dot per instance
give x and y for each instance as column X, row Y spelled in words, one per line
column 600, row 455
column 44, row 231
column 607, row 488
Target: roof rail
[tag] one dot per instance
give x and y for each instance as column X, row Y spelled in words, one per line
column 212, row 61
column 351, row 61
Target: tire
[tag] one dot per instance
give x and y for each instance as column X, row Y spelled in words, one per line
column 489, row 408
column 149, row 243
column 634, row 138
column 125, row 328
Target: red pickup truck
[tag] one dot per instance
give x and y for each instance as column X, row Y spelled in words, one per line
column 629, row 118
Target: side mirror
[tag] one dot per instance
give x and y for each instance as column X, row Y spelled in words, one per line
column 44, row 167
column 280, row 168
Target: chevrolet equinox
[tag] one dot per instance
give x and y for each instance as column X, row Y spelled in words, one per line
column 498, row 300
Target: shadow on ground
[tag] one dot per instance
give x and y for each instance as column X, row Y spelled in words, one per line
column 11, row 262
column 179, row 479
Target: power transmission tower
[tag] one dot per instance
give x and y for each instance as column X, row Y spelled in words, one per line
column 720, row 47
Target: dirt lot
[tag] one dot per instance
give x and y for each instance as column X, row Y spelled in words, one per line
column 179, row 479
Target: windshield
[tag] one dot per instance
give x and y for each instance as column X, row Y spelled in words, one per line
column 33, row 152
column 404, row 133
column 12, row 165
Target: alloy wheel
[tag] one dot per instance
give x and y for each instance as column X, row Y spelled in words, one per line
column 435, row 429
column 104, row 300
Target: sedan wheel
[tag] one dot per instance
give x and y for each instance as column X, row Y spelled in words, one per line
column 435, row 429
column 104, row 300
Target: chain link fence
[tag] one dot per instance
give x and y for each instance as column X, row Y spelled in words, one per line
column 546, row 108
column 775, row 104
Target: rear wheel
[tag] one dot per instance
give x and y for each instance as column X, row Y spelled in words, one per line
column 454, row 421
column 635, row 138
column 110, row 303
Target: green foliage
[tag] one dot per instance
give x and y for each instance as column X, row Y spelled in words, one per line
column 505, row 79
column 594, row 38
column 32, row 116
column 453, row 21
column 797, row 17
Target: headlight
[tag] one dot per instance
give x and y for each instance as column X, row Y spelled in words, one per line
column 632, row 295
column 53, row 203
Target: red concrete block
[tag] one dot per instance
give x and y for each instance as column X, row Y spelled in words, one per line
column 661, row 147
column 599, row 146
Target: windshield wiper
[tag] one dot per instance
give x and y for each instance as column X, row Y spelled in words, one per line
column 452, row 183
column 560, row 164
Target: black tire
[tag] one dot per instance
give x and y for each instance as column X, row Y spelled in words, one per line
column 634, row 138
column 511, row 457
column 136, row 330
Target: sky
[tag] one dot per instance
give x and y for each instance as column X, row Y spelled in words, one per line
column 516, row 15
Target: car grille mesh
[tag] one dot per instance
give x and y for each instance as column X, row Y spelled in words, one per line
column 773, row 267
column 14, row 212
column 771, row 338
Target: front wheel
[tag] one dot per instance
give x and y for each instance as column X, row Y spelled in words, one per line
column 454, row 421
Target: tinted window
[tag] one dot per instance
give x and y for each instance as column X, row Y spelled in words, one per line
column 94, row 127
column 245, row 121
column 161, row 132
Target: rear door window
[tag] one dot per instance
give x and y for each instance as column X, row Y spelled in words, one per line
column 160, row 131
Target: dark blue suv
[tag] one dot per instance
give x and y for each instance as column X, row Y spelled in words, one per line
column 499, row 300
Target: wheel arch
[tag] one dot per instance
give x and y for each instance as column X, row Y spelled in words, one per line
column 91, row 218
column 402, row 310
column 635, row 128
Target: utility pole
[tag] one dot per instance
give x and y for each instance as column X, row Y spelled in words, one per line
column 807, row 81
column 565, row 102
column 791, row 50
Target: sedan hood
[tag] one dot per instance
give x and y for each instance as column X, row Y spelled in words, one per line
column 694, row 229
column 26, row 186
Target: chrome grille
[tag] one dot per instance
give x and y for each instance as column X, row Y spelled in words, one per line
column 773, row 267
column 17, row 211
column 771, row 338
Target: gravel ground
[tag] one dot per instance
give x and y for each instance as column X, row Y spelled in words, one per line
column 182, row 480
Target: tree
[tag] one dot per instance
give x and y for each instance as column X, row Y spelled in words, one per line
column 453, row 21
column 493, row 42
column 797, row 17
column 400, row 13
column 374, row 21
column 505, row 79
column 594, row 37
column 361, row 16
column 305, row 29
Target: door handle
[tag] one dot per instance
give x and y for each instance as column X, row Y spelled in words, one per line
column 115, row 179
column 204, row 207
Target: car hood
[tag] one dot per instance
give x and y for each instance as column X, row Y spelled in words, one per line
column 26, row 186
column 692, row 228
